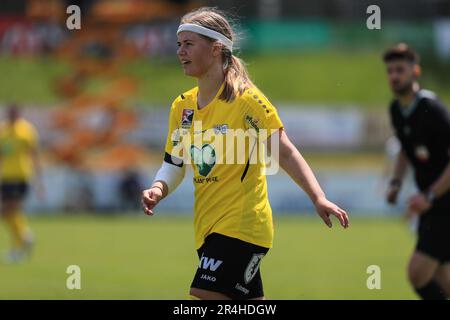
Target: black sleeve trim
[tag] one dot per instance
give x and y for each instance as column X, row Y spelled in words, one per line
column 245, row 170
column 173, row 160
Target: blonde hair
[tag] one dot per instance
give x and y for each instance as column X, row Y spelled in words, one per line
column 237, row 79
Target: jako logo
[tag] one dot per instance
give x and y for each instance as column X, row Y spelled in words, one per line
column 209, row 263
column 208, row 278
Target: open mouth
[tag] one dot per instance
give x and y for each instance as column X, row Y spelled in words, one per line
column 185, row 62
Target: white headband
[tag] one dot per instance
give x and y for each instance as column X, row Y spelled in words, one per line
column 206, row 32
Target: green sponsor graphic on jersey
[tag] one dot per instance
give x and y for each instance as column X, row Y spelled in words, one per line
column 204, row 158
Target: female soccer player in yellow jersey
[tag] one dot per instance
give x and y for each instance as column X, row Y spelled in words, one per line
column 233, row 218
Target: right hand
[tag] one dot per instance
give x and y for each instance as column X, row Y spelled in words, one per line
column 326, row 208
column 150, row 199
column 392, row 194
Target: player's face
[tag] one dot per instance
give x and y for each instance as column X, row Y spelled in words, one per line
column 401, row 76
column 194, row 53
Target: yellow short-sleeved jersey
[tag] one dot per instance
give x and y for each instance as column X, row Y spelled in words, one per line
column 16, row 144
column 220, row 142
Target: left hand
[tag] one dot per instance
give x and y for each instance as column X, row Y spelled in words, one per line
column 418, row 204
column 326, row 208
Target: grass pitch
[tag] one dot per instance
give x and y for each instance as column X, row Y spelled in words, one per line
column 130, row 257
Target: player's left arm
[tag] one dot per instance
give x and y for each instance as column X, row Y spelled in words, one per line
column 37, row 165
column 33, row 147
column 441, row 126
column 442, row 185
column 421, row 202
column 298, row 169
column 0, row 162
column 1, row 143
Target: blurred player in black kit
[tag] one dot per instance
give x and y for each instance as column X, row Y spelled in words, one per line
column 422, row 124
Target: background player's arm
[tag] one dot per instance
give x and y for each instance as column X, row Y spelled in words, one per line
column 1, row 156
column 38, row 172
column 400, row 168
column 441, row 123
column 442, row 185
column 421, row 202
column 298, row 169
column 36, row 162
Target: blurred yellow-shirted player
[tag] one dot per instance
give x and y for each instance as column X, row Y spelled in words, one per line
column 18, row 164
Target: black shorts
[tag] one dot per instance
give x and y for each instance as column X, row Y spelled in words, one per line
column 13, row 190
column 434, row 236
column 230, row 266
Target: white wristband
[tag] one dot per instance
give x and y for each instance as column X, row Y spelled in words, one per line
column 171, row 174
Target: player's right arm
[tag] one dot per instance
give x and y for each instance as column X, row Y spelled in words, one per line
column 395, row 184
column 172, row 170
column 298, row 169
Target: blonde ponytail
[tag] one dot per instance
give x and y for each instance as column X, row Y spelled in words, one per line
column 237, row 79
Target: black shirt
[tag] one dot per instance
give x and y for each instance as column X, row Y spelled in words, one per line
column 423, row 129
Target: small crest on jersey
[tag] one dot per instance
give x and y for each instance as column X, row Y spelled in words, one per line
column 422, row 153
column 253, row 267
column 221, row 128
column 187, row 118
